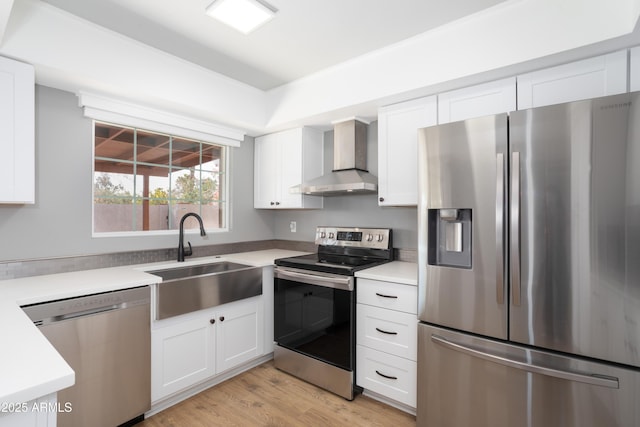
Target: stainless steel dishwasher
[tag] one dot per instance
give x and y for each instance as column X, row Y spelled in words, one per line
column 106, row 340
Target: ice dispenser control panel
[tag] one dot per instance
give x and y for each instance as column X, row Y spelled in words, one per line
column 450, row 237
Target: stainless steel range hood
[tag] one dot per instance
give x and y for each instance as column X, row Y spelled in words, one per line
column 349, row 175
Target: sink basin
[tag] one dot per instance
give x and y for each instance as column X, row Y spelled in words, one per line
column 196, row 287
column 198, row 270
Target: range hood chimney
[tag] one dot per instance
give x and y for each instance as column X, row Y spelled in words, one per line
column 349, row 175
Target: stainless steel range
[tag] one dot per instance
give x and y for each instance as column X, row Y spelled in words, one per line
column 315, row 302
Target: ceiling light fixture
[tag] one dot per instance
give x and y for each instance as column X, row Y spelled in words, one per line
column 243, row 15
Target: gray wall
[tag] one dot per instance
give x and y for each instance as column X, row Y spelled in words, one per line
column 354, row 210
column 59, row 223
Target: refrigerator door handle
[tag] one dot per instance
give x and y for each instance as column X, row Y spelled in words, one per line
column 592, row 379
column 515, row 228
column 500, row 228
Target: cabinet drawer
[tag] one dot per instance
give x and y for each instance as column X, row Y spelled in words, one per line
column 394, row 296
column 386, row 330
column 388, row 375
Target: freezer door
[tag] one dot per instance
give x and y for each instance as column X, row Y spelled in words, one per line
column 575, row 228
column 461, row 226
column 467, row 381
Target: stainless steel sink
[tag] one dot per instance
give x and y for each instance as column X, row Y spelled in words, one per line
column 196, row 287
column 198, row 270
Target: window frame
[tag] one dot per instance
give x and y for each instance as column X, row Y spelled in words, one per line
column 224, row 187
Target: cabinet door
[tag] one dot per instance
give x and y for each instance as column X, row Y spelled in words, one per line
column 386, row 330
column 182, row 354
column 590, row 78
column 17, row 144
column 398, row 126
column 283, row 160
column 393, row 296
column 266, row 175
column 312, row 164
column 240, row 333
column 388, row 375
column 290, row 168
column 477, row 101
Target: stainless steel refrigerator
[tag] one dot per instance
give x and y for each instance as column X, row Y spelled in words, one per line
column 529, row 268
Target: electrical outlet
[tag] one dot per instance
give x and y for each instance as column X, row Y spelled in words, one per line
column 292, row 226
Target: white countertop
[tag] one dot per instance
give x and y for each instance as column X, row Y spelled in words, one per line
column 29, row 365
column 396, row 271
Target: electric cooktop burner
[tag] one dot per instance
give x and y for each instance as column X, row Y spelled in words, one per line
column 345, row 250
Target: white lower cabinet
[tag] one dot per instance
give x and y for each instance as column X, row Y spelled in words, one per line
column 387, row 375
column 189, row 349
column 239, row 337
column 386, row 351
column 390, row 331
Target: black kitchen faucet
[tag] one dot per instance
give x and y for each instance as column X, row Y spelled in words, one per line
column 182, row 252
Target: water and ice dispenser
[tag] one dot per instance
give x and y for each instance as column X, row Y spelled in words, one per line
column 450, row 237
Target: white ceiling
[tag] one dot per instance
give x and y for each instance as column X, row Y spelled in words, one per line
column 306, row 36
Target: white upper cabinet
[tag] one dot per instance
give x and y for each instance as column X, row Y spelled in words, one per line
column 17, row 140
column 589, row 78
column 398, row 126
column 285, row 159
column 476, row 101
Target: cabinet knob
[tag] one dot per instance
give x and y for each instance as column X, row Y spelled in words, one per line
column 381, row 199
column 222, row 318
column 212, row 321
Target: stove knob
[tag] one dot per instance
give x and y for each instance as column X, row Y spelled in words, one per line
column 380, row 237
column 323, row 234
column 369, row 237
column 331, row 235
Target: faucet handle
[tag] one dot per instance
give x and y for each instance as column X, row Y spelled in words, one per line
column 188, row 252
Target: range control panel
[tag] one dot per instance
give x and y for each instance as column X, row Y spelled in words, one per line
column 375, row 238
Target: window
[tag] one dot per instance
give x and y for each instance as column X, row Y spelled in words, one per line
column 146, row 181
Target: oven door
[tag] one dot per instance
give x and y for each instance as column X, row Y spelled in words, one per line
column 314, row 315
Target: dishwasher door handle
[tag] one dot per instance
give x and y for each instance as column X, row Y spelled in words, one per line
column 73, row 308
column 83, row 313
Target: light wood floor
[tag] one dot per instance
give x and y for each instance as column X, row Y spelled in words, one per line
column 264, row 396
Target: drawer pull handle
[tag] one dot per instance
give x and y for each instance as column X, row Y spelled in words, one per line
column 389, row 377
column 386, row 296
column 386, row 332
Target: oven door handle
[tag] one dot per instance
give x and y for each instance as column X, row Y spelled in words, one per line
column 333, row 281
